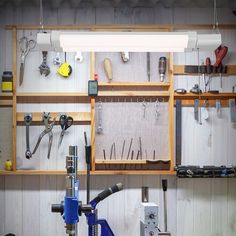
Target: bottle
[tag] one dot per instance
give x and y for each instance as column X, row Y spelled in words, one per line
column 7, row 81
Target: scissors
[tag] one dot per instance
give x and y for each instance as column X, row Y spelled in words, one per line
column 65, row 123
column 26, row 46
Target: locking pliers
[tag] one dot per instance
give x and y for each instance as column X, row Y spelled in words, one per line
column 47, row 130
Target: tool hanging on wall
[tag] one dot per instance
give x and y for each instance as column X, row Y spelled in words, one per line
column 44, row 68
column 232, row 110
column 108, row 69
column 64, row 69
column 79, row 56
column 218, row 67
column 178, row 131
column 125, row 56
column 47, row 130
column 57, row 59
column 148, row 67
column 196, row 110
column 28, row 121
column 162, row 68
column 218, row 108
column 205, row 113
column 26, row 45
column 65, row 122
column 157, row 110
column 99, row 128
column 130, row 145
column 123, row 148
column 144, row 106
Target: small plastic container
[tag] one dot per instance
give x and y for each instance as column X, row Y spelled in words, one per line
column 7, row 82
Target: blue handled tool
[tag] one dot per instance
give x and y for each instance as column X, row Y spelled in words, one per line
column 71, row 208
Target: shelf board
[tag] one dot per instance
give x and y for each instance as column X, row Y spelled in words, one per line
column 53, row 97
column 127, row 161
column 134, row 86
column 79, row 117
column 8, row 95
column 81, row 173
column 204, row 96
column 179, row 70
column 133, row 94
column 6, row 99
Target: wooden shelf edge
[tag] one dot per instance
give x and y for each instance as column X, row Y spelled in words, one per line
column 135, row 84
column 209, row 96
column 6, row 94
column 37, row 116
column 132, row 94
column 50, row 172
column 179, row 70
column 52, row 94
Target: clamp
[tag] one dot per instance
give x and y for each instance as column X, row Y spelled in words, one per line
column 47, row 130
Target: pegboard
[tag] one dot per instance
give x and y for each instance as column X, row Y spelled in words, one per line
column 122, row 122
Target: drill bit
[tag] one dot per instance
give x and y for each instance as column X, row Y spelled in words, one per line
column 131, row 141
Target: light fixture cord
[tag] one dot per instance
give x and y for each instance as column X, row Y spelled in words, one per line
column 41, row 14
column 216, row 22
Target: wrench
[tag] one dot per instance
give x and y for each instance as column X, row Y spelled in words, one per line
column 44, row 68
column 99, row 128
column 28, row 121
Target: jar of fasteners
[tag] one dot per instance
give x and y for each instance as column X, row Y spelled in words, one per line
column 7, row 81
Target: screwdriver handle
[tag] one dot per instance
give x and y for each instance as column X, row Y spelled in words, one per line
column 208, row 65
column 164, row 185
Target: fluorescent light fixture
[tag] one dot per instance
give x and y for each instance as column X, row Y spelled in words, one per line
column 132, row 41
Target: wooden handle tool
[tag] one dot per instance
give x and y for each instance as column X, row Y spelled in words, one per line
column 108, row 69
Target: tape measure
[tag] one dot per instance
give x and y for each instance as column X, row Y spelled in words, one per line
column 64, row 70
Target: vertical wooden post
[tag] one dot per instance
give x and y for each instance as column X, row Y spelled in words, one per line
column 92, row 72
column 171, row 112
column 14, row 66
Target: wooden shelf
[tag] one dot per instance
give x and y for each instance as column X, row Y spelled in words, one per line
column 204, row 96
column 6, row 99
column 53, row 97
column 134, row 86
column 79, row 117
column 179, row 70
column 106, row 172
column 132, row 94
column 8, row 95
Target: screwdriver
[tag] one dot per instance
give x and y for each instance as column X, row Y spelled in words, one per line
column 162, row 68
column 208, row 71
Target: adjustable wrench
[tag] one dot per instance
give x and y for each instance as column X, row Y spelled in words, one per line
column 44, row 68
column 28, row 121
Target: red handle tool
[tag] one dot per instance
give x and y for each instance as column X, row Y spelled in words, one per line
column 220, row 53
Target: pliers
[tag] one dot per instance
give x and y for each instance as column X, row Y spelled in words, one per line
column 47, row 130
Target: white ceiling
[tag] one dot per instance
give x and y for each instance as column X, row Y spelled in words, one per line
column 121, row 3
